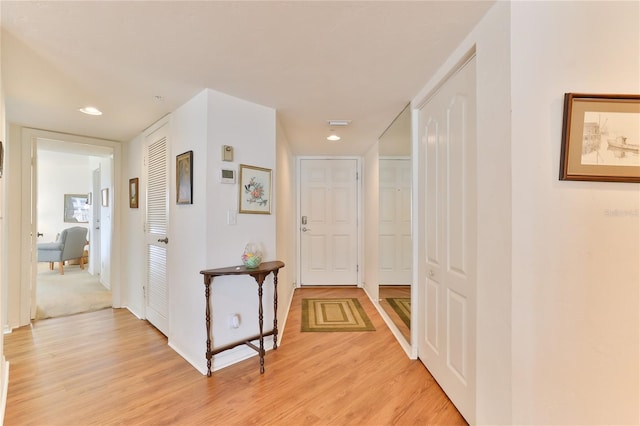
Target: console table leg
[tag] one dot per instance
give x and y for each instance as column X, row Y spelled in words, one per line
column 207, row 319
column 260, row 321
column 275, row 309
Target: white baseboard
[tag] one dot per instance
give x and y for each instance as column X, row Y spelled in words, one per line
column 226, row 358
column 133, row 313
column 281, row 329
column 5, row 388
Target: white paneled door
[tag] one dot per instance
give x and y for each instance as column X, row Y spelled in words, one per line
column 394, row 225
column 156, row 227
column 328, row 222
column 447, row 238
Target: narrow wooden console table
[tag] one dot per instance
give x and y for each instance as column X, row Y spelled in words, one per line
column 259, row 274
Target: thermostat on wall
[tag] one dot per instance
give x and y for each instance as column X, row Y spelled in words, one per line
column 227, row 176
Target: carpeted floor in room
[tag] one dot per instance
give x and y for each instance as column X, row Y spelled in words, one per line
column 74, row 292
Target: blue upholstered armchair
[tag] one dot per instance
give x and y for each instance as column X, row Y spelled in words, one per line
column 70, row 245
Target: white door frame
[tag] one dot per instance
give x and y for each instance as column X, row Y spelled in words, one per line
column 28, row 232
column 298, row 224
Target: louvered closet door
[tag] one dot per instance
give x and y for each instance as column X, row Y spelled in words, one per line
column 156, row 289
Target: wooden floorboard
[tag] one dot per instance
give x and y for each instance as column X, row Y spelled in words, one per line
column 108, row 367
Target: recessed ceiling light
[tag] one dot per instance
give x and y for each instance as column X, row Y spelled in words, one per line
column 333, row 138
column 90, row 110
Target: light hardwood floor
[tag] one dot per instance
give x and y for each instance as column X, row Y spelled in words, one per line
column 387, row 291
column 107, row 367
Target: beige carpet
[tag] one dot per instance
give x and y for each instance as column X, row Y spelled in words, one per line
column 334, row 315
column 74, row 292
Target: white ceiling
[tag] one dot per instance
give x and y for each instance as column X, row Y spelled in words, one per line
column 311, row 61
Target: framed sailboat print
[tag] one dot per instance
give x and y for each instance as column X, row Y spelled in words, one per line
column 600, row 138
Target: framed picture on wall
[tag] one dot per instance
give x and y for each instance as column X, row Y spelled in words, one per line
column 184, row 178
column 600, row 138
column 133, row 193
column 76, row 208
column 254, row 190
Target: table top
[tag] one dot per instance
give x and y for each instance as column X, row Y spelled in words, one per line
column 263, row 268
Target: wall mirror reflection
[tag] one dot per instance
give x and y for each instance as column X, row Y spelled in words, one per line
column 394, row 226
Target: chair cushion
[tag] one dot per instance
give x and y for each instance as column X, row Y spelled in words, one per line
column 50, row 246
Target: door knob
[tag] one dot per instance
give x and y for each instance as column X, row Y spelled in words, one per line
column 164, row 240
column 305, row 229
column 39, row 234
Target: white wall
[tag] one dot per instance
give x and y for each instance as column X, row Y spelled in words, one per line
column 188, row 224
column 285, row 221
column 13, row 227
column 576, row 272
column 199, row 235
column 133, row 258
column 59, row 174
column 370, row 222
column 251, row 130
column 4, row 366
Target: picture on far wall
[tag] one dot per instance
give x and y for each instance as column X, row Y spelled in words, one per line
column 133, row 193
column 184, row 178
column 601, row 138
column 254, row 190
column 76, row 208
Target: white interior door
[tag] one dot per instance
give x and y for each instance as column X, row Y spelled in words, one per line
column 447, row 245
column 328, row 222
column 95, row 238
column 395, row 222
column 157, row 226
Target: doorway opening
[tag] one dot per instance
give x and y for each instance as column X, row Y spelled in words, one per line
column 68, row 177
column 24, row 308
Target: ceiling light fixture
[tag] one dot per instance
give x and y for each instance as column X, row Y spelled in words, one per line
column 90, row 110
column 336, row 123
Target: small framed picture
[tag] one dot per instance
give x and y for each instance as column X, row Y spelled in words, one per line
column 105, row 197
column 133, row 193
column 254, row 190
column 601, row 138
column 184, row 178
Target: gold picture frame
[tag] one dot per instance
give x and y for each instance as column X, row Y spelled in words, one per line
column 184, row 178
column 133, row 193
column 600, row 138
column 254, row 191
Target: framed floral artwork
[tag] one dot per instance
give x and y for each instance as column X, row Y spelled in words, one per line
column 254, row 190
